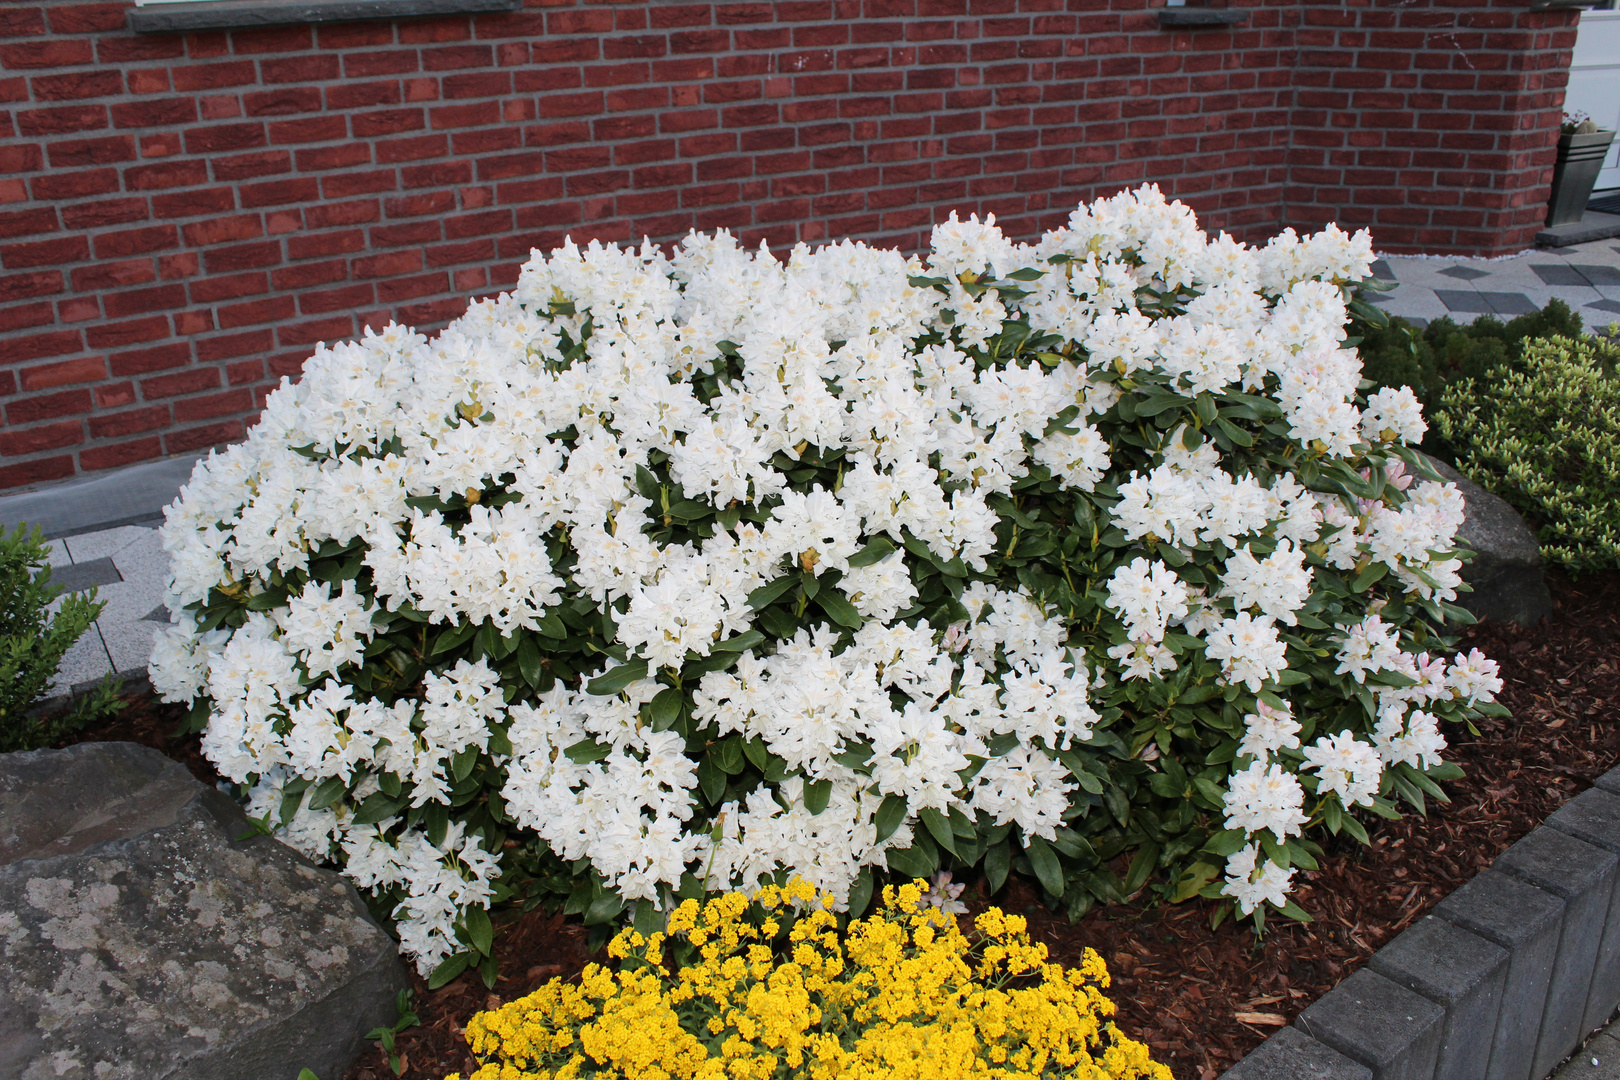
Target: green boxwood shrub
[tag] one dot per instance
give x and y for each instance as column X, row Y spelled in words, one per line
column 1430, row 358
column 1544, row 433
column 33, row 641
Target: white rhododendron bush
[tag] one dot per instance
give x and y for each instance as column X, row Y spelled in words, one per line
column 679, row 571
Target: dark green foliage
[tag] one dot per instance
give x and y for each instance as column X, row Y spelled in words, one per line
column 1428, row 360
column 33, row 641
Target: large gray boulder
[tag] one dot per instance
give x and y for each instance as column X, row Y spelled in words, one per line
column 1505, row 572
column 142, row 938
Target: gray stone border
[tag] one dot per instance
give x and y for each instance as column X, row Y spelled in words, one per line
column 236, row 14
column 1507, row 978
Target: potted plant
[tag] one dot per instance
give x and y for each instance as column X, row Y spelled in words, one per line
column 1582, row 146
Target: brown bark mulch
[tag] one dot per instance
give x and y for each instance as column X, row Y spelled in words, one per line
column 1201, row 998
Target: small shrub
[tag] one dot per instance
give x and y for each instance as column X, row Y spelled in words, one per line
column 676, row 572
column 33, row 641
column 1545, row 435
column 767, row 993
column 1429, row 359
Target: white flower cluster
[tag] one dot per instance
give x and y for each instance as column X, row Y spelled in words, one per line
column 538, row 416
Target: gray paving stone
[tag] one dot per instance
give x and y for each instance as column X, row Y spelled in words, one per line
column 79, row 576
column 1583, row 876
column 1293, row 1055
column 1465, row 273
column 1560, row 274
column 1599, row 1059
column 1593, row 816
column 1381, row 269
column 1606, row 305
column 1465, row 301
column 1609, row 781
column 1379, row 1023
column 1599, row 274
column 1525, row 921
column 1461, row 972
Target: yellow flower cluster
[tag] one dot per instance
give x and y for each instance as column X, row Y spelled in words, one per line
column 770, row 989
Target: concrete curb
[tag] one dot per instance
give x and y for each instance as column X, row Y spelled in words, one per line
column 1507, row 978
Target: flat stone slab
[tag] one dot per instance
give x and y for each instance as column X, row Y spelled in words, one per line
column 143, row 938
column 1506, row 572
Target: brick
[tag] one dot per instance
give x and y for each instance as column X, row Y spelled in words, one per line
column 129, row 422
column 62, row 373
column 189, row 381
column 1594, row 818
column 139, row 301
column 99, row 215
column 72, row 153
column 242, row 257
column 112, row 275
column 141, row 361
column 128, row 332
column 212, row 405
column 136, row 241
column 61, row 120
column 179, row 442
column 120, row 454
column 223, row 230
column 221, row 138
column 155, row 112
column 28, row 222
column 23, row 286
column 36, row 472
column 35, row 440
column 48, row 406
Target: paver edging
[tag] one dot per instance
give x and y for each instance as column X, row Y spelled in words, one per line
column 1524, row 959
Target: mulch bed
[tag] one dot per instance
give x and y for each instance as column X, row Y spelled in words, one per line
column 1201, row 998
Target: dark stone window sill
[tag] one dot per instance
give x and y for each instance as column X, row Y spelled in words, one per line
column 1201, row 16
column 235, row 14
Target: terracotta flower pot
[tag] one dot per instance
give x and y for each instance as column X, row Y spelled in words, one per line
column 1580, row 159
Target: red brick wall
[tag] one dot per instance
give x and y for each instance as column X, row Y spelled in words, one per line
column 1433, row 124
column 183, row 216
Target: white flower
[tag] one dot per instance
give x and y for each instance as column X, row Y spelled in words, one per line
column 1249, row 650
column 1250, row 887
column 1265, row 797
column 1393, row 415
column 1267, row 730
column 1347, row 766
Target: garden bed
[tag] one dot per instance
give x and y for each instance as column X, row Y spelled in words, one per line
column 1200, row 998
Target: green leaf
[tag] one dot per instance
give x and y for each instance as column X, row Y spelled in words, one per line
column 876, row 550
column 839, row 609
column 860, row 893
column 605, row 907
column 480, row 932
column 939, row 827
column 912, row 862
column 453, row 638
column 463, row 761
column 529, row 660
column 1369, row 577
column 766, row 594
column 889, row 816
column 648, row 919
column 587, row 750
column 666, row 708
column 1142, row 866
column 712, row 778
column 1048, row 870
column 618, row 678
column 997, row 862
column 816, row 794
column 306, row 1074
column 756, row 752
column 449, row 970
column 745, row 640
column 378, row 806
column 729, row 755
column 327, row 792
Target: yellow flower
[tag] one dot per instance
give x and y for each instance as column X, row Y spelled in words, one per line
column 902, row 995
